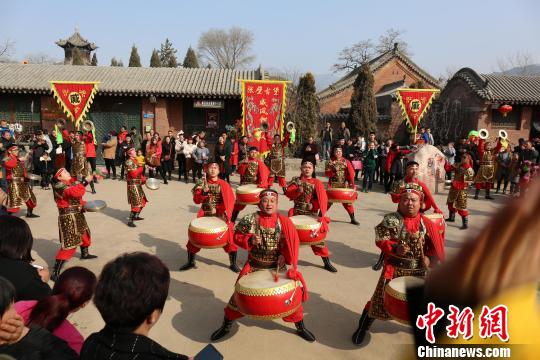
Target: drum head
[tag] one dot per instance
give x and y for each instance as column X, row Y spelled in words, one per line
column 263, row 279
column 248, row 189
column 304, row 220
column 208, row 223
column 401, row 284
column 95, row 205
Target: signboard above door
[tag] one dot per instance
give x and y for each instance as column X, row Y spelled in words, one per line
column 209, row 104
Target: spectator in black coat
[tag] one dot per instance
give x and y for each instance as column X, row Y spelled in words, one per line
column 45, row 169
column 310, row 150
column 16, row 260
column 144, row 280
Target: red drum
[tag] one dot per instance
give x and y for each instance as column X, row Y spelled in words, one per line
column 395, row 297
column 341, row 195
column 208, row 232
column 248, row 194
column 308, row 228
column 438, row 220
column 259, row 296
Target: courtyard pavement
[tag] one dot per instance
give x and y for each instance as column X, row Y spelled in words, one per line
column 197, row 297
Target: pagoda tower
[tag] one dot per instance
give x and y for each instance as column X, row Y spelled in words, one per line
column 76, row 41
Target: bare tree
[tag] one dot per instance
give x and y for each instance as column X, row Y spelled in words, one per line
column 447, row 75
column 226, row 49
column 391, row 37
column 6, row 48
column 355, row 56
column 41, row 58
column 363, row 51
column 518, row 63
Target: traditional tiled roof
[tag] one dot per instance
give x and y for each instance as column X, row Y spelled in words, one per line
column 511, row 89
column 127, row 81
column 375, row 65
column 76, row 40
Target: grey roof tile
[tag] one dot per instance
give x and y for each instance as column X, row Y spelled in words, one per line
column 178, row 82
column 511, row 89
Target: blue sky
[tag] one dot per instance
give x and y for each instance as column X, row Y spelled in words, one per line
column 291, row 35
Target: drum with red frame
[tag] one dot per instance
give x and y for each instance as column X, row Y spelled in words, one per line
column 341, row 195
column 263, row 295
column 248, row 194
column 308, row 229
column 208, row 232
column 438, row 220
column 395, row 297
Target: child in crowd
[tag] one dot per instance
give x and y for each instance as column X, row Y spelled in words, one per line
column 140, row 159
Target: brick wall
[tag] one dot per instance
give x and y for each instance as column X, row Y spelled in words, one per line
column 168, row 115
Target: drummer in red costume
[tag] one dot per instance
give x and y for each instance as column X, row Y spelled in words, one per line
column 252, row 171
column 72, row 226
column 309, row 198
column 217, row 199
column 410, row 242
column 271, row 241
column 341, row 175
column 411, row 176
column 276, row 158
column 135, row 180
column 19, row 192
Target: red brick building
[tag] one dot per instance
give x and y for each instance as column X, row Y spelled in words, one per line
column 470, row 101
column 391, row 70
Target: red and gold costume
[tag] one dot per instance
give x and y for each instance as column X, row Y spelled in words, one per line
column 252, row 171
column 19, row 191
column 309, row 201
column 276, row 159
column 279, row 237
column 135, row 180
column 340, row 174
column 79, row 165
column 419, row 237
column 457, row 196
column 429, row 201
column 486, row 172
column 218, row 201
column 72, row 226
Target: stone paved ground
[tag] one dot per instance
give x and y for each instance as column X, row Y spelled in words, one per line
column 197, row 297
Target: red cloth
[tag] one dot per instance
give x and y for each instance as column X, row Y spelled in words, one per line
column 234, row 155
column 262, row 172
column 122, row 136
column 11, row 163
column 73, row 191
column 89, row 145
column 349, row 176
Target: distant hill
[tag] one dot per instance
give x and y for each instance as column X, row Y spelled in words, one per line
column 533, row 69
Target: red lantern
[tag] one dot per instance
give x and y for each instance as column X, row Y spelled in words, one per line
column 505, row 109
